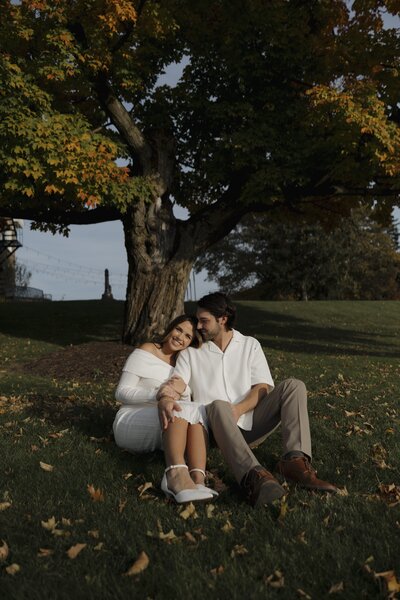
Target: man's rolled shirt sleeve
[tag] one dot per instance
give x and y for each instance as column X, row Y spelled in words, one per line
column 260, row 372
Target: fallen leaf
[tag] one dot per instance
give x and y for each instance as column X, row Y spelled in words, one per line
column 121, row 505
column 218, row 485
column 94, row 533
column 336, row 588
column 66, row 522
column 189, row 511
column 46, row 467
column 227, row 527
column 275, row 580
column 127, row 476
column 239, row 550
column 140, row 564
column 98, row 546
column 190, row 537
column 303, row 594
column 391, row 581
column 390, row 493
column 96, row 495
column 217, row 571
column 144, row 487
column 50, row 524
column 75, row 550
column 4, row 505
column 342, row 491
column 60, row 533
column 283, row 509
column 13, row 569
column 326, row 520
column 4, row 551
column 209, row 510
column 43, row 552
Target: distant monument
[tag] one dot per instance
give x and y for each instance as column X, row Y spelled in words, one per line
column 107, row 287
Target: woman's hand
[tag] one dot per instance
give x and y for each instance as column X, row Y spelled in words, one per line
column 177, row 384
column 166, row 407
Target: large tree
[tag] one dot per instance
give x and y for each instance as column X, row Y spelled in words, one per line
column 282, row 106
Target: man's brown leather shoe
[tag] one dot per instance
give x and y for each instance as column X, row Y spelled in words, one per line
column 299, row 470
column 261, row 487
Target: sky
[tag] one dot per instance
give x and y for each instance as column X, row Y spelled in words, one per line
column 73, row 268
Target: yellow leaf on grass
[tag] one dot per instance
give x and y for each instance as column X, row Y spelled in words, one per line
column 227, row 527
column 96, row 495
column 140, row 564
column 127, row 476
column 4, row 505
column 50, row 524
column 143, row 488
column 190, row 537
column 46, row 467
column 189, row 511
column 13, row 569
column 75, row 550
column 4, row 551
column 121, row 505
column 275, row 580
column 336, row 588
column 239, row 550
column 392, row 583
column 209, row 510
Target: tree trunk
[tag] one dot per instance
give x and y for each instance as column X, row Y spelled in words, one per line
column 160, row 260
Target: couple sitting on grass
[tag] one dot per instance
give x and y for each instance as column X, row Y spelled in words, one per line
column 204, row 379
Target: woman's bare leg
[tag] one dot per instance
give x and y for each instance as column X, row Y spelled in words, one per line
column 196, row 451
column 174, row 444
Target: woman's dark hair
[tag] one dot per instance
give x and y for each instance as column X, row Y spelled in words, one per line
column 219, row 305
column 197, row 339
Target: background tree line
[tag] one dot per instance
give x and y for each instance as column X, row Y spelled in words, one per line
column 293, row 259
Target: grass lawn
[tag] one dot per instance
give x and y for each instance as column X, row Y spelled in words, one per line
column 55, row 442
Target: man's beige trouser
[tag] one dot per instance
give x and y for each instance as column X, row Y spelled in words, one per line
column 285, row 404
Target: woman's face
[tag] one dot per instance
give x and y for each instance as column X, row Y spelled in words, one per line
column 180, row 337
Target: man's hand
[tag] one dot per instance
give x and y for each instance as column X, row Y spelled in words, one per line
column 166, row 407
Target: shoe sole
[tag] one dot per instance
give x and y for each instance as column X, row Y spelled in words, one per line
column 283, row 479
column 269, row 493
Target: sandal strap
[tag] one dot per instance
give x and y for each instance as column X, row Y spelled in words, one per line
column 175, row 467
column 199, row 471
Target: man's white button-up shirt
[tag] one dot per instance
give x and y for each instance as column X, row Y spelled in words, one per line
column 216, row 375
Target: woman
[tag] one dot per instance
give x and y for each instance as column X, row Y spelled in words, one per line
column 136, row 425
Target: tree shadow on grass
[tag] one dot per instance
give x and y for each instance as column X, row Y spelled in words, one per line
column 287, row 333
column 63, row 323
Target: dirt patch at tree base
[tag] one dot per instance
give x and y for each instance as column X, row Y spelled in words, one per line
column 94, row 361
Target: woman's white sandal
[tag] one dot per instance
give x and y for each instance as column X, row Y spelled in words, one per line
column 200, row 486
column 184, row 496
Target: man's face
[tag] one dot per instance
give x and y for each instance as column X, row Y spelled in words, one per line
column 209, row 326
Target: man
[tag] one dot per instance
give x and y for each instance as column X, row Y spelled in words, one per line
column 230, row 375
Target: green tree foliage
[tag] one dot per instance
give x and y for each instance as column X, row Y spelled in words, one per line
column 357, row 260
column 282, row 105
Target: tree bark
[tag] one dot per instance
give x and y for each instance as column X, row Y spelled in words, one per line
column 160, row 258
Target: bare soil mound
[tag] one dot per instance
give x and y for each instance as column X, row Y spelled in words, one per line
column 93, row 361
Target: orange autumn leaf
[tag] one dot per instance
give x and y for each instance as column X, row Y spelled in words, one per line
column 96, row 495
column 140, row 564
column 73, row 552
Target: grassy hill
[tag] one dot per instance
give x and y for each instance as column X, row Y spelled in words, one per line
column 59, row 367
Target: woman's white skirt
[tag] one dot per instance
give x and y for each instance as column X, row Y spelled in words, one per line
column 137, row 427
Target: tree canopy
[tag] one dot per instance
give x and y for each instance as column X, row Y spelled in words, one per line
column 282, row 106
